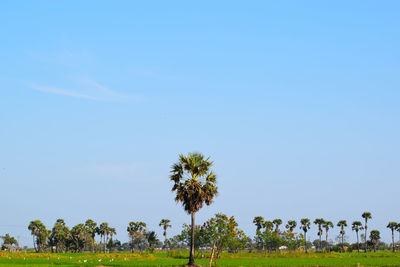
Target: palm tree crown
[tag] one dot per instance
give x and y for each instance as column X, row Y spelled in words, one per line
column 291, row 224
column 356, row 226
column 194, row 183
column 327, row 225
column 277, row 222
column 165, row 223
column 259, row 222
column 319, row 222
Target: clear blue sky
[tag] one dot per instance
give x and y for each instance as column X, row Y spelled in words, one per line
column 297, row 102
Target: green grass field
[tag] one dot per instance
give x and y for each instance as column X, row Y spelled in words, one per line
column 385, row 258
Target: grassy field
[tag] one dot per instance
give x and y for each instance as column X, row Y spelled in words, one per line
column 176, row 259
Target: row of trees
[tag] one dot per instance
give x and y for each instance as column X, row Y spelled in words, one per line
column 269, row 236
column 77, row 239
column 82, row 237
column 218, row 233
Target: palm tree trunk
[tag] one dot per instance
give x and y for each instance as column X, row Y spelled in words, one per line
column 305, row 241
column 358, row 243
column 212, row 253
column 320, row 241
column 34, row 245
column 92, row 244
column 326, row 240
column 366, row 235
column 105, row 243
column 393, row 239
column 342, row 242
column 191, row 256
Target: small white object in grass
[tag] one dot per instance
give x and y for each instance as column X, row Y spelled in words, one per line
column 85, row 261
column 99, row 259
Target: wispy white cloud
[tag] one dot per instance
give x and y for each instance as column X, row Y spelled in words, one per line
column 58, row 91
column 85, row 89
column 103, row 89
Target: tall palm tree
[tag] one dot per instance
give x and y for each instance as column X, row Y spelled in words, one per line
column 34, row 228
column 165, row 223
column 327, row 225
column 259, row 222
column 111, row 232
column 392, row 226
column 136, row 231
column 39, row 233
column 366, row 215
column 90, row 228
column 60, row 235
column 342, row 224
column 319, row 222
column 305, row 225
column 374, row 236
column 291, row 224
column 103, row 231
column 357, row 226
column 78, row 237
column 195, row 185
column 277, row 222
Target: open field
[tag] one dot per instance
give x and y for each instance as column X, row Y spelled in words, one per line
column 383, row 258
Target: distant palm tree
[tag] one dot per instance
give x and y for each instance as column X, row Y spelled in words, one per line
column 34, row 228
column 374, row 236
column 39, row 233
column 259, row 222
column 291, row 225
column 112, row 232
column 268, row 225
column 327, row 225
column 342, row 224
column 366, row 215
column 195, row 185
column 277, row 222
column 9, row 240
column 305, row 226
column 165, row 223
column 392, row 226
column 357, row 226
column 90, row 228
column 136, row 232
column 319, row 222
column 103, row 231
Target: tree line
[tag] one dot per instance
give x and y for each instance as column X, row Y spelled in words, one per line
column 269, row 236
